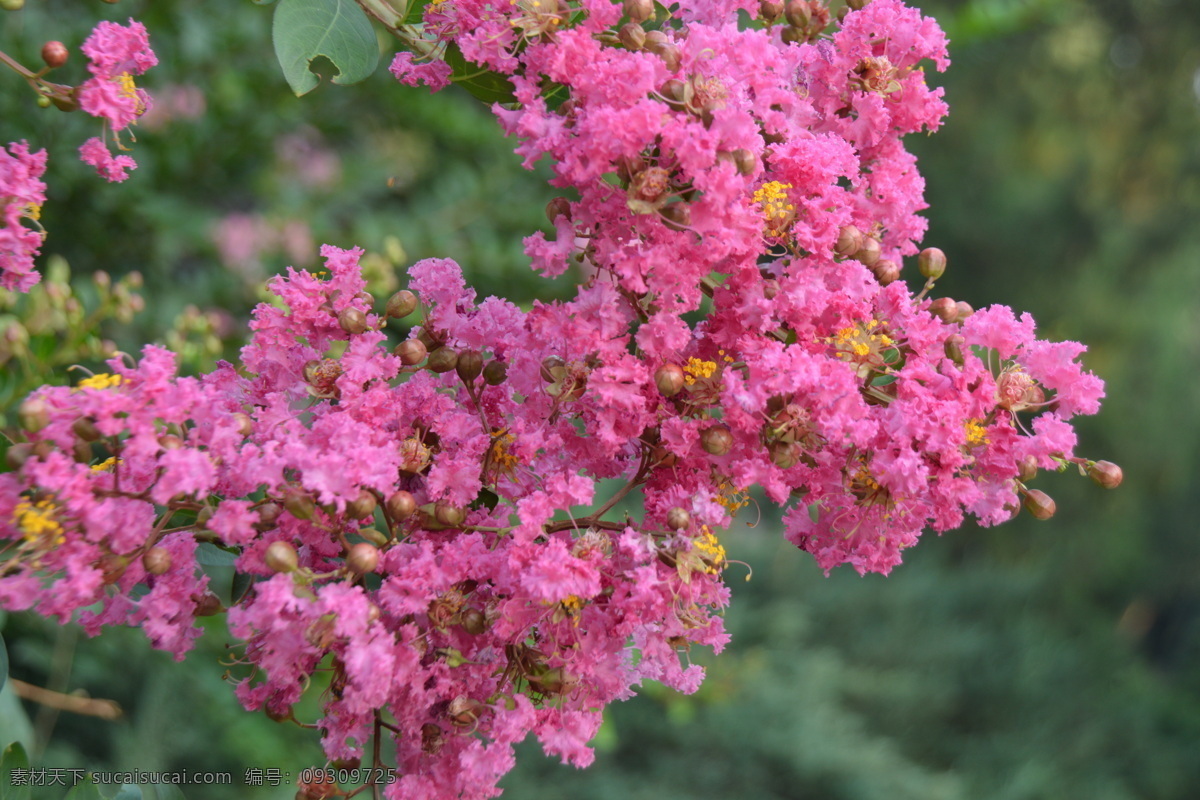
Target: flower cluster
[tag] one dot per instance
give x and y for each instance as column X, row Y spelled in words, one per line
column 22, row 194
column 116, row 54
column 419, row 527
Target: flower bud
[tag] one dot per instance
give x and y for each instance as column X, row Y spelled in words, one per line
column 638, row 10
column 944, row 309
column 664, row 49
column 932, row 263
column 362, row 506
column 1027, row 469
column 669, row 379
column 745, row 160
column 43, row 101
column 770, row 10
column 495, row 373
column 410, row 352
column 857, row 5
column 553, row 369
column 784, row 454
column 34, row 414
column 157, row 560
column 401, row 505
column 449, row 515
column 964, row 310
column 1039, row 504
column 268, row 516
column 869, row 252
column 442, row 360
column 1106, row 474
column 558, row 207
column 716, row 440
column 677, row 216
column 849, row 241
column 17, row 455
column 281, row 557
column 886, row 271
column 953, row 348
column 85, row 428
column 362, row 558
column 401, row 304
column 352, row 321
column 300, row 505
column 374, row 536
column 12, row 5
column 55, row 54
column 469, row 365
column 207, row 605
column 632, row 37
column 798, row 13
column 678, row 519
column 474, row 621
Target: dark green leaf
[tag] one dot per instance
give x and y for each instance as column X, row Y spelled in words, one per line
column 209, row 555
column 337, row 29
column 85, row 790
column 488, row 86
column 14, row 763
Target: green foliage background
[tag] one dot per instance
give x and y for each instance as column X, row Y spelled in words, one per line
column 1035, row 660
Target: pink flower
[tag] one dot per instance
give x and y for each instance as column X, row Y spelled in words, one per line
column 22, row 194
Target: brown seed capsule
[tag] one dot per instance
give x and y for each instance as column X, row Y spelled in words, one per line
column 401, row 505
column 670, row 56
column 85, row 428
column 300, row 505
column 964, row 310
column 784, row 454
column 1106, row 474
column 558, row 207
column 798, row 13
column 770, row 10
column 1027, row 468
column 638, row 10
column 362, row 558
column 474, row 621
column 17, row 455
column 678, row 518
column 34, row 414
column 495, row 373
column 716, row 440
column 677, row 216
column 401, row 304
column 944, row 309
column 268, row 516
column 469, row 365
column 207, row 605
column 442, row 360
column 669, row 379
column 886, row 271
column 849, row 241
column 953, row 348
column 55, row 54
column 869, row 252
column 745, row 160
column 362, row 506
column 632, row 36
column 157, row 560
column 449, row 515
column 281, row 557
column 932, row 263
column 1039, row 504
column 352, row 321
column 410, row 352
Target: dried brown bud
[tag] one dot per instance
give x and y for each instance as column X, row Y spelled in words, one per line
column 474, row 621
column 716, row 440
column 638, row 10
column 745, row 160
column 495, row 373
column 632, row 36
column 34, row 414
column 300, row 505
column 677, row 216
column 932, row 263
column 1106, row 474
column 1039, row 504
column 944, row 309
column 85, row 428
column 678, row 519
column 964, row 310
column 401, row 304
column 449, row 515
column 669, row 379
column 401, row 505
column 469, row 365
column 352, row 321
column 849, row 241
column 268, row 516
column 410, row 352
column 869, row 252
column 432, row 738
column 362, row 558
column 55, row 54
column 953, row 348
column 857, row 5
column 157, row 560
column 207, row 605
column 798, row 13
column 245, row 424
column 281, row 557
column 770, row 10
column 558, row 207
column 442, row 360
column 362, row 506
column 886, row 271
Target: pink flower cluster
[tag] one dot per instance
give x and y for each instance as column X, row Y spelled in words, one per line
column 22, row 194
column 116, row 53
column 421, row 526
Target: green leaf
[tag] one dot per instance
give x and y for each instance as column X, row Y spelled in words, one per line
column 168, row 791
column 262, row 2
column 85, row 790
column 217, row 564
column 209, row 555
column 14, row 764
column 337, row 29
column 128, row 791
column 414, row 13
column 490, row 87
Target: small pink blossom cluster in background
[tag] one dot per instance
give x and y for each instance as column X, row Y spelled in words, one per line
column 421, row 523
column 22, row 194
column 116, row 53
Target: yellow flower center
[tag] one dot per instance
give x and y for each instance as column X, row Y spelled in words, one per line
column 37, row 522
column 695, row 368
column 710, row 549
column 976, row 434
column 777, row 210
column 101, row 381
column 501, row 439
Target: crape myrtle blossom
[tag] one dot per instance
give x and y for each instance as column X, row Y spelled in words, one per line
column 22, row 194
column 116, row 53
column 421, row 524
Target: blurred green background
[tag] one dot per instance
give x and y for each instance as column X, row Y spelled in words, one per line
column 1036, row 660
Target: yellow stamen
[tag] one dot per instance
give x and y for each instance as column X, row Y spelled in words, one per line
column 100, row 381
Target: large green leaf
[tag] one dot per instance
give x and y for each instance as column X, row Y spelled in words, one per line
column 337, row 29
column 85, row 790
column 14, row 773
column 490, row 87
